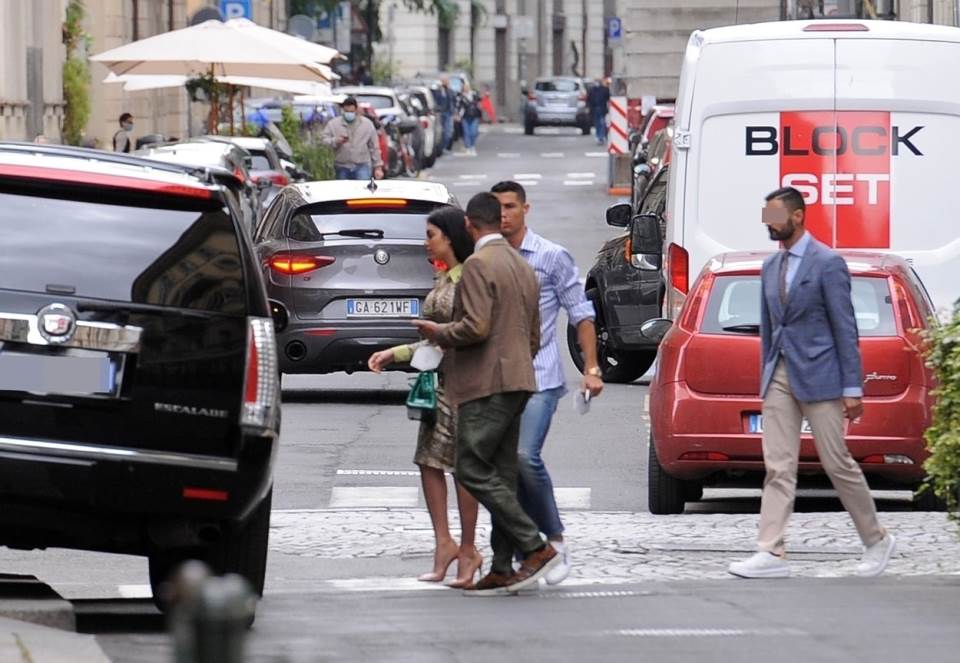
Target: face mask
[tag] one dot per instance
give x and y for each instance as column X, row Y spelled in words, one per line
column 349, row 116
column 128, row 126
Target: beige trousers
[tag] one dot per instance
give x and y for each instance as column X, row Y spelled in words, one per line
column 782, row 417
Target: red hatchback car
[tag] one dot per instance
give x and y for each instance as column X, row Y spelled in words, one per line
column 705, row 421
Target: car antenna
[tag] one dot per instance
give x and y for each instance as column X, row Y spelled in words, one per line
column 372, row 186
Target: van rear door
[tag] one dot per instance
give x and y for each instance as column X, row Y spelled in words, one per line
column 902, row 140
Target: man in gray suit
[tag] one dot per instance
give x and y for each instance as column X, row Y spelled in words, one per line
column 811, row 370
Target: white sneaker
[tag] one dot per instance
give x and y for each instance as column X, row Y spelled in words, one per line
column 760, row 565
column 559, row 573
column 876, row 557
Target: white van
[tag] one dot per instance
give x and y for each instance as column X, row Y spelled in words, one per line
column 863, row 117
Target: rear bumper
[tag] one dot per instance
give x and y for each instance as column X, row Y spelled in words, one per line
column 61, row 494
column 340, row 346
column 684, row 421
column 572, row 117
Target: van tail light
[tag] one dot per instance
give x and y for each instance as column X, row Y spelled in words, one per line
column 261, row 387
column 294, row 264
column 279, row 179
column 679, row 268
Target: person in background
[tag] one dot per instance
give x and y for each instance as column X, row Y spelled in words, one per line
column 448, row 246
column 446, row 100
column 470, row 113
column 121, row 139
column 598, row 98
column 355, row 143
column 486, row 103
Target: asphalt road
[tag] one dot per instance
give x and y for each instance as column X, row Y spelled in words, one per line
column 347, row 446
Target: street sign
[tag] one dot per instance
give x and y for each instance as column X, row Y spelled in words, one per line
column 236, row 9
column 614, row 28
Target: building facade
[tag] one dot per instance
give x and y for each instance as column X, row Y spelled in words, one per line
column 31, row 61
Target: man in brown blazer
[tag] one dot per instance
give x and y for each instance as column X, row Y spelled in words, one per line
column 488, row 373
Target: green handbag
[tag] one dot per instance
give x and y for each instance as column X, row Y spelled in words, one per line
column 422, row 399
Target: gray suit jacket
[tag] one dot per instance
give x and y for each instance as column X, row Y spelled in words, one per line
column 815, row 331
column 495, row 333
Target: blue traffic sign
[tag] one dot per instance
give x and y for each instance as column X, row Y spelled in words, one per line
column 236, row 9
column 614, row 28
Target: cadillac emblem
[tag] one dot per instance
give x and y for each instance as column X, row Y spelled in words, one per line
column 56, row 323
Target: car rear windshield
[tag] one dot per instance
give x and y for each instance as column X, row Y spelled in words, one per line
column 260, row 162
column 178, row 254
column 326, row 227
column 734, row 306
column 375, row 100
column 557, row 86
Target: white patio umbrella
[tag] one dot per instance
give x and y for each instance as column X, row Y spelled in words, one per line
column 136, row 83
column 233, row 48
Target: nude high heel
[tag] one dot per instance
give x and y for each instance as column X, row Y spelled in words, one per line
column 467, row 570
column 440, row 568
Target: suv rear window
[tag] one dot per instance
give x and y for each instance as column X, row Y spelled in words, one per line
column 182, row 257
column 323, row 227
column 557, row 86
column 734, row 306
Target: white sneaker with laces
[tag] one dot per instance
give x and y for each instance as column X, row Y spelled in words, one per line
column 559, row 573
column 876, row 557
column 760, row 565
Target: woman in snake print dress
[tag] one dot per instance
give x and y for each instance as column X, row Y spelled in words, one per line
column 448, row 244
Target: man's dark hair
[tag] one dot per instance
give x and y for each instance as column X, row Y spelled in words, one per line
column 349, row 101
column 483, row 210
column 124, row 117
column 509, row 186
column 451, row 222
column 791, row 198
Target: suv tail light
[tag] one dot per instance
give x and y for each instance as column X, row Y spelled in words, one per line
column 261, row 387
column 292, row 264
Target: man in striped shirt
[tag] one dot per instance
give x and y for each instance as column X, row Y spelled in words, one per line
column 559, row 287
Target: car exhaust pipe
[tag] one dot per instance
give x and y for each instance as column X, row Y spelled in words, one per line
column 296, row 350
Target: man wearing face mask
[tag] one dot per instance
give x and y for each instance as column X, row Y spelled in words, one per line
column 354, row 140
column 811, row 369
column 121, row 139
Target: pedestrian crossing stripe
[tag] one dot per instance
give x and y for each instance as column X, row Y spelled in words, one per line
column 400, row 497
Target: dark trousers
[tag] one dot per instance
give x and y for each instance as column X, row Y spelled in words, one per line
column 488, row 433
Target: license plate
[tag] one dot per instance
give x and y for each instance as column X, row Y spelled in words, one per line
column 383, row 308
column 756, row 424
column 87, row 374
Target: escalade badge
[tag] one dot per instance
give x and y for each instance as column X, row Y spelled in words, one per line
column 56, row 323
column 173, row 408
column 382, row 257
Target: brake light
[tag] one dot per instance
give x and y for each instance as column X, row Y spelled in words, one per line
column 532, row 97
column 679, row 268
column 206, row 494
column 101, row 179
column 238, row 174
column 905, row 311
column 376, row 202
column 704, row 455
column 887, row 459
column 298, row 264
column 279, row 179
column 261, row 389
column 836, row 27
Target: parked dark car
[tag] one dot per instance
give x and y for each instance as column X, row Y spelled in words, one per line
column 139, row 398
column 705, row 419
column 626, row 287
column 346, row 269
column 557, row 101
column 648, row 160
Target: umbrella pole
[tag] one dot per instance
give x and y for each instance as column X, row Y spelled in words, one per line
column 233, row 93
column 243, row 116
column 214, row 103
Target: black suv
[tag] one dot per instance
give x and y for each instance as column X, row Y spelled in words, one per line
column 626, row 287
column 139, row 397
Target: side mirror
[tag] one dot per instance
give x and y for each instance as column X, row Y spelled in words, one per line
column 646, row 242
column 655, row 329
column 618, row 215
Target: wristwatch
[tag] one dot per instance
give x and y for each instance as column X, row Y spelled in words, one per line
column 595, row 371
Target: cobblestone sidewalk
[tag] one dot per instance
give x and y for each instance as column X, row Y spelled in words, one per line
column 628, row 547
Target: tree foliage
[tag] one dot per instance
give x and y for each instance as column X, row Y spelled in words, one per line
column 76, row 74
column 943, row 436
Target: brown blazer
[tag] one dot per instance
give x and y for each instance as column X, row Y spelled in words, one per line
column 495, row 333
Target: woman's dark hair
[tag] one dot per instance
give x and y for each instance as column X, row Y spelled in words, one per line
column 452, row 223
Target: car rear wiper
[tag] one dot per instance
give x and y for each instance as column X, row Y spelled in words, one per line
column 743, row 329
column 126, row 308
column 357, row 232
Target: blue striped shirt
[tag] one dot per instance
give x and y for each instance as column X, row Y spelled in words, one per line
column 559, row 286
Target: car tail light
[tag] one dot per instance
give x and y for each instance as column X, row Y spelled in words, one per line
column 238, row 174
column 206, row 494
column 679, row 268
column 691, row 310
column 279, row 179
column 887, row 459
column 704, row 455
column 261, row 388
column 905, row 311
column 289, row 265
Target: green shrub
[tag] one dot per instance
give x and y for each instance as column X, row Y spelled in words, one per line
column 315, row 158
column 943, row 436
column 76, row 75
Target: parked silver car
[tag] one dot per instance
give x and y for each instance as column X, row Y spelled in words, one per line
column 557, row 101
column 346, row 269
